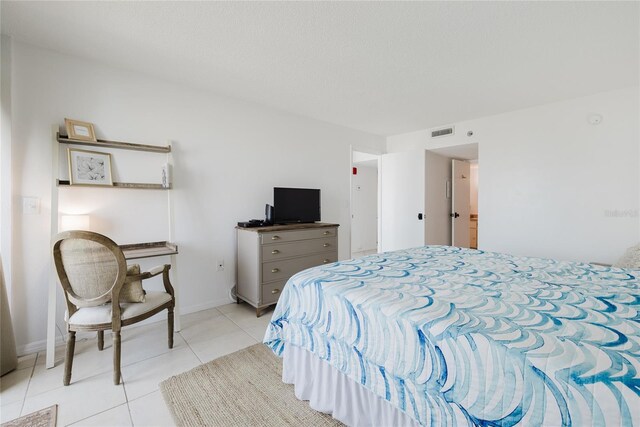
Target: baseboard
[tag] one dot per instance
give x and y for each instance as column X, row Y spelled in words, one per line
column 207, row 306
column 36, row 346
column 41, row 345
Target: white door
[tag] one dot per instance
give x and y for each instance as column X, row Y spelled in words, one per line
column 402, row 200
column 437, row 220
column 460, row 203
column 364, row 208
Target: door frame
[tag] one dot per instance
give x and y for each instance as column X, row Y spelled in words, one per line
column 367, row 150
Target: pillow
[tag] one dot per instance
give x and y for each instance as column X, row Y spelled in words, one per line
column 132, row 292
column 630, row 259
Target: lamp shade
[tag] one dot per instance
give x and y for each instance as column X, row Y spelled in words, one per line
column 74, row 222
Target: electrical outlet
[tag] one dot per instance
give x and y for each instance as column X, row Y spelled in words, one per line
column 30, row 205
column 220, row 265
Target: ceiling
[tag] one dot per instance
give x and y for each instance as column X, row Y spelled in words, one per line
column 367, row 164
column 368, row 160
column 381, row 67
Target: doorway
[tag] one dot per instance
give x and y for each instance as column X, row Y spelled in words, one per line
column 364, row 203
column 461, row 188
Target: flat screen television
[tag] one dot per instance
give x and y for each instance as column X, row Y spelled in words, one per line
column 291, row 205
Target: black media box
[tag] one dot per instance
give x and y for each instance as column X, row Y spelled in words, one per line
column 251, row 224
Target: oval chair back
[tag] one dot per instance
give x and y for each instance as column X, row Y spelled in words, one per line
column 91, row 267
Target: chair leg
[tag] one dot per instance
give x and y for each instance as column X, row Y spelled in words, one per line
column 68, row 360
column 116, row 357
column 170, row 327
column 100, row 340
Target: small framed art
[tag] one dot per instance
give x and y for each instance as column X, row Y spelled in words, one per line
column 89, row 167
column 82, row 131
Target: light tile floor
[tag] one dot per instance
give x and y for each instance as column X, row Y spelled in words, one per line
column 93, row 400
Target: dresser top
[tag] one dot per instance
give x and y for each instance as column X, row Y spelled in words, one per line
column 287, row 227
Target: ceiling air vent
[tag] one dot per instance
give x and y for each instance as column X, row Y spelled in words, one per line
column 442, row 132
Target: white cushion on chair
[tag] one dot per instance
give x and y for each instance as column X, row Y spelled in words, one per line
column 102, row 313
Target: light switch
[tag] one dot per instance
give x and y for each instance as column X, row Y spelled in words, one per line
column 30, row 205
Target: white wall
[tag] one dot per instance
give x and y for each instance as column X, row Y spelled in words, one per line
column 228, row 156
column 364, row 208
column 553, row 185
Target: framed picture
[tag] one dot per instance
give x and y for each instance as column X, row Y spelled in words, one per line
column 81, row 131
column 89, row 167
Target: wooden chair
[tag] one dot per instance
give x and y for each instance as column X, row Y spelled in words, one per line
column 92, row 270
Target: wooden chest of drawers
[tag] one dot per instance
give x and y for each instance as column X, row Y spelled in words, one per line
column 269, row 256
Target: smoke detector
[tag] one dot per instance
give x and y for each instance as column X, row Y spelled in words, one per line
column 594, row 119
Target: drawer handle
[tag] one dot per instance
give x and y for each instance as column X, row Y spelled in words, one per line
column 275, row 270
column 275, row 237
column 275, row 291
column 326, row 233
column 325, row 261
column 326, row 245
column 275, row 251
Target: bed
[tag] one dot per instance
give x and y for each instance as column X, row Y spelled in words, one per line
column 440, row 336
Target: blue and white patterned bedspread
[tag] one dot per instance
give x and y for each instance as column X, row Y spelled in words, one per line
column 464, row 337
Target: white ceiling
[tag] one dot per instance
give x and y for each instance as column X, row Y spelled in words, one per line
column 382, row 67
column 373, row 163
column 368, row 160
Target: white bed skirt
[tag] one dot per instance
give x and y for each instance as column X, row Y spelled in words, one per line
column 330, row 391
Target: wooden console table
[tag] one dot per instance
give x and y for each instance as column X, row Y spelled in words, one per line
column 148, row 250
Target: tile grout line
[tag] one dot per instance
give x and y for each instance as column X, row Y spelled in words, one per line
column 26, row 390
column 126, row 402
column 241, row 328
column 82, row 419
column 144, row 395
column 93, row 415
column 189, row 347
column 63, row 386
column 228, row 318
column 126, row 397
column 238, row 325
column 129, row 410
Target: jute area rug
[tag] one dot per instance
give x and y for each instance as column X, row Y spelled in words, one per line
column 244, row 388
column 46, row 417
